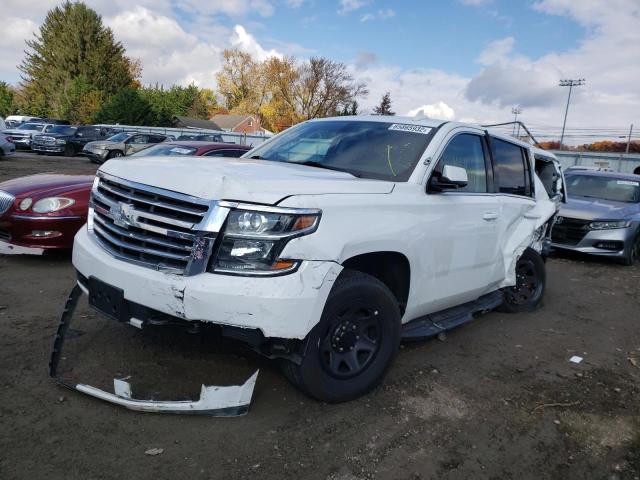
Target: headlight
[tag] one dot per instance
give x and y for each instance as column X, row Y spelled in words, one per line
column 61, row 142
column 607, row 225
column 25, row 203
column 52, row 204
column 253, row 240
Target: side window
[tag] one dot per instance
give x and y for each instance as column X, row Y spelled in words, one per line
column 224, row 153
column 467, row 151
column 156, row 139
column 510, row 166
column 138, row 139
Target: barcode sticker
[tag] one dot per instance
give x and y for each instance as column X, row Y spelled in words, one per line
column 401, row 127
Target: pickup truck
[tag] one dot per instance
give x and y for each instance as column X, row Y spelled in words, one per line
column 327, row 245
column 67, row 140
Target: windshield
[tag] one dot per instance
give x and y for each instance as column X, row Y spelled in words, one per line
column 63, row 129
column 119, row 137
column 604, row 188
column 166, row 151
column 31, row 126
column 378, row 150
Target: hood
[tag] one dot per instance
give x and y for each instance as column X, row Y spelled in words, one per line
column 49, row 184
column 15, row 131
column 257, row 181
column 105, row 142
column 54, row 135
column 597, row 209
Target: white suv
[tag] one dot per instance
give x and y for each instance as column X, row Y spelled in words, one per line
column 328, row 244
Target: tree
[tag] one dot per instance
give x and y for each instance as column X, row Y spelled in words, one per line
column 7, row 102
column 127, row 107
column 79, row 101
column 350, row 110
column 385, row 106
column 73, row 42
column 241, row 82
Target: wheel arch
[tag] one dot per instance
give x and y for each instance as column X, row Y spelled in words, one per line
column 390, row 267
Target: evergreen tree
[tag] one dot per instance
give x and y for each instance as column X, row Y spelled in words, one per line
column 7, row 104
column 127, row 107
column 385, row 106
column 73, row 42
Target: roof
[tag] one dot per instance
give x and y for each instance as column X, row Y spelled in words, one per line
column 426, row 122
column 229, row 120
column 196, row 123
column 596, row 173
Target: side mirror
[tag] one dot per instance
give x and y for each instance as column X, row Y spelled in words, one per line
column 451, row 178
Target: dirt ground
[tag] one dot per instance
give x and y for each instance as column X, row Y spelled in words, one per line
column 498, row 399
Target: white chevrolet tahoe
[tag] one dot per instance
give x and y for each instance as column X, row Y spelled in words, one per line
column 327, row 245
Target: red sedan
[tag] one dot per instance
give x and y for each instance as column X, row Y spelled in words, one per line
column 45, row 211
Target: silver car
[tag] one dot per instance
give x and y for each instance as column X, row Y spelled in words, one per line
column 602, row 215
column 7, row 147
column 121, row 144
column 23, row 135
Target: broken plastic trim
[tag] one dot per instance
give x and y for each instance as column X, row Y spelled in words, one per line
column 214, row 401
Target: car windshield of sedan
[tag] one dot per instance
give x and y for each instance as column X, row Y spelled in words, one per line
column 604, row 188
column 63, row 129
column 31, row 126
column 166, row 151
column 119, row 137
column 368, row 149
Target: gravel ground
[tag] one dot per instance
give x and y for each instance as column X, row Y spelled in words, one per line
column 498, row 399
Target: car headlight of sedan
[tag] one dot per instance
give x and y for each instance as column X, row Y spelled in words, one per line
column 609, row 224
column 254, row 239
column 52, row 204
column 61, row 142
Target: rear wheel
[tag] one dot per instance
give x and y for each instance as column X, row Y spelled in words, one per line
column 69, row 151
column 632, row 254
column 526, row 294
column 354, row 343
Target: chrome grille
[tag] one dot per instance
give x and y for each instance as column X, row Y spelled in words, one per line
column 41, row 140
column 155, row 228
column 6, row 200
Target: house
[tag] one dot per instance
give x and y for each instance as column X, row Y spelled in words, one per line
column 188, row 122
column 239, row 123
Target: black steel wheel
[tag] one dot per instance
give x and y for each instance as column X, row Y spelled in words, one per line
column 526, row 294
column 632, row 256
column 353, row 345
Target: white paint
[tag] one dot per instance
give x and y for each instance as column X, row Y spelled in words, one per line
column 576, row 359
column 212, row 399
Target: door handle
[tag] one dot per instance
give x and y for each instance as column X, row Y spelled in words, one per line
column 490, row 216
column 532, row 216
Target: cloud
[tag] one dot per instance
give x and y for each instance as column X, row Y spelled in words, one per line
column 295, row 3
column 380, row 14
column 347, row 6
column 438, row 110
column 246, row 42
column 365, row 59
column 496, row 50
column 233, row 8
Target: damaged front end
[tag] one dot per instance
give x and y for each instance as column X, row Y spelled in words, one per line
column 217, row 401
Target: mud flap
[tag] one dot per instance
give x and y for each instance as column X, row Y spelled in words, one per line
column 227, row 401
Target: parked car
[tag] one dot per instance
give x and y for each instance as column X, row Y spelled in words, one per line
column 602, row 216
column 193, row 148
column 23, row 135
column 63, row 139
column 44, row 211
column 120, row 144
column 7, row 147
column 324, row 246
column 14, row 121
column 203, row 137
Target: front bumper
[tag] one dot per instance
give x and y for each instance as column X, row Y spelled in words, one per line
column 47, row 148
column 615, row 240
column 7, row 149
column 18, row 230
column 96, row 156
column 22, row 143
column 286, row 307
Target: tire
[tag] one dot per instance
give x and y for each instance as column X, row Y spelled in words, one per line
column 114, row 154
column 362, row 317
column 531, row 280
column 69, row 151
column 632, row 253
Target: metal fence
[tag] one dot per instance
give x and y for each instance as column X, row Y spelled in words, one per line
column 250, row 140
column 619, row 162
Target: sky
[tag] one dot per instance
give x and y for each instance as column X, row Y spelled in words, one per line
column 465, row 60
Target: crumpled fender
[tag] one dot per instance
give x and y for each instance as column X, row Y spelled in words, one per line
column 529, row 233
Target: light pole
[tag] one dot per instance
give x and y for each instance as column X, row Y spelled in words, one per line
column 516, row 111
column 570, row 84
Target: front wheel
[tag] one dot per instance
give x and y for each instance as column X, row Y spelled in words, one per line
column 632, row 253
column 526, row 294
column 355, row 342
column 115, row 154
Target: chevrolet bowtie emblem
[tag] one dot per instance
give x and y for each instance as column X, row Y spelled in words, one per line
column 121, row 214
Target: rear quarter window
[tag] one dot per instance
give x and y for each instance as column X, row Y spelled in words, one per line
column 511, row 167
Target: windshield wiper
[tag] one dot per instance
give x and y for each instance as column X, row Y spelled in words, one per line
column 311, row 163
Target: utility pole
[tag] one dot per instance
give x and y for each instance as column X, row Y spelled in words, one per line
column 629, row 139
column 516, row 111
column 570, row 84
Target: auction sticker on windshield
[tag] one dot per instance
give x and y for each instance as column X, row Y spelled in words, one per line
column 401, row 127
column 628, row 182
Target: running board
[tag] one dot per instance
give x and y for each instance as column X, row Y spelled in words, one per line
column 438, row 322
